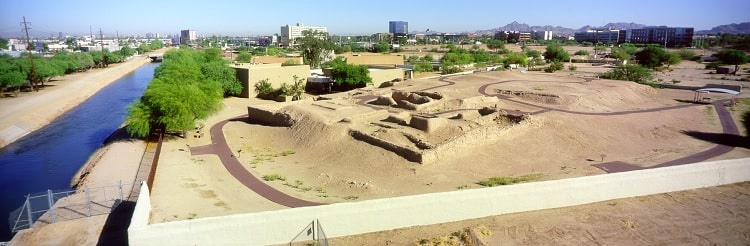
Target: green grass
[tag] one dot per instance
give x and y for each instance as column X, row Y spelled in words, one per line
column 351, row 198
column 286, row 153
column 272, row 177
column 505, row 180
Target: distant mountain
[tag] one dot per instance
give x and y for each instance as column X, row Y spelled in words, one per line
column 523, row 27
column 558, row 30
column 742, row 28
column 614, row 26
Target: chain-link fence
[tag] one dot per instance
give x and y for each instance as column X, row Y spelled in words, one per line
column 312, row 234
column 56, row 205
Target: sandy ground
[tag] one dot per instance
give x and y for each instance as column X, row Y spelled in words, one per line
column 114, row 162
column 321, row 163
column 558, row 145
column 710, row 216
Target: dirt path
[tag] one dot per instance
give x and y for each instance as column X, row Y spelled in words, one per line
column 220, row 148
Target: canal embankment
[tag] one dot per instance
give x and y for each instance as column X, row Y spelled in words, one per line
column 31, row 111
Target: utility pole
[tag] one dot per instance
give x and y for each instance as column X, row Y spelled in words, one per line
column 32, row 75
column 104, row 59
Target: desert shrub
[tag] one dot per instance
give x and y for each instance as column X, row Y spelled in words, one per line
column 505, row 180
column 264, row 87
column 554, row 66
column 290, row 62
column 451, row 69
column 713, row 65
column 572, row 68
column 272, row 177
column 686, row 54
column 423, row 67
column 630, row 72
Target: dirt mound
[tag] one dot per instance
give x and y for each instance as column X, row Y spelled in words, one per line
column 310, row 127
column 612, row 96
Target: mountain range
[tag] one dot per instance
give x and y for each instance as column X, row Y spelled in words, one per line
column 741, row 28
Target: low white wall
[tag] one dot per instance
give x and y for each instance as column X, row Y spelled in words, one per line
column 342, row 219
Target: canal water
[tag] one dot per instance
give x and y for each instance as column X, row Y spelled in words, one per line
column 49, row 157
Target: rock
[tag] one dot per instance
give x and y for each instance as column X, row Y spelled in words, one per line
column 417, row 99
column 384, row 100
column 399, row 96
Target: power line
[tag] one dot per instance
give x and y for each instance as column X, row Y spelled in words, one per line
column 32, row 77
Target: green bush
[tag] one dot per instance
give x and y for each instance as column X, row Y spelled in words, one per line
column 451, row 69
column 572, row 68
column 554, row 66
column 423, row 67
column 264, row 87
column 272, row 177
column 630, row 72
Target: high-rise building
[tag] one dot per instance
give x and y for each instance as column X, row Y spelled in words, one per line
column 667, row 36
column 398, row 28
column 290, row 33
column 188, row 36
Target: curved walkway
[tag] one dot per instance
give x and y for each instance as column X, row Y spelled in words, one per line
column 220, row 148
column 727, row 124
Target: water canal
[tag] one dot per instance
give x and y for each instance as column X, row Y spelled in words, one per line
column 49, row 157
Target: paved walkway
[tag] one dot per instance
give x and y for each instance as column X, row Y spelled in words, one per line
column 220, row 148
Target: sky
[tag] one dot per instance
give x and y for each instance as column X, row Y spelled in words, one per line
column 347, row 17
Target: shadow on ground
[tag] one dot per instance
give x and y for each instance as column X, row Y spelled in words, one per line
column 115, row 230
column 720, row 138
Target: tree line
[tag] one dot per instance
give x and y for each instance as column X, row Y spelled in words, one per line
column 188, row 86
column 16, row 72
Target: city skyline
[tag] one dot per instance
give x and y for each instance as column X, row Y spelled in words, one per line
column 241, row 18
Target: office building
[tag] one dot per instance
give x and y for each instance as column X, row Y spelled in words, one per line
column 398, row 27
column 541, row 35
column 667, row 36
column 290, row 33
column 512, row 37
column 601, row 35
column 188, row 36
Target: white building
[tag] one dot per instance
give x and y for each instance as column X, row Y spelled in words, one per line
column 541, row 35
column 289, row 33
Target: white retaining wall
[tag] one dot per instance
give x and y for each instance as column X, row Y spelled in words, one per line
column 342, row 219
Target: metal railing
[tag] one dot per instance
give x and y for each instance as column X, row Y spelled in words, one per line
column 312, row 234
column 53, row 206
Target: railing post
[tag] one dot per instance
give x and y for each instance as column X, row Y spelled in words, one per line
column 51, row 203
column 28, row 210
column 121, row 195
column 88, row 200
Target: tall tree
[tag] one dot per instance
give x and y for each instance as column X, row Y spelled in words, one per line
column 313, row 45
column 652, row 56
column 732, row 57
column 516, row 58
column 3, row 44
column 630, row 72
column 181, row 93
